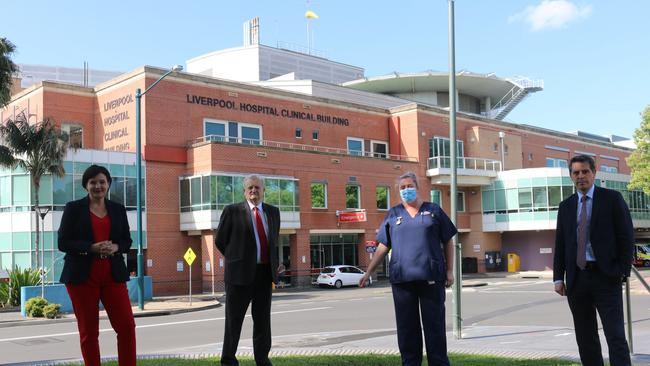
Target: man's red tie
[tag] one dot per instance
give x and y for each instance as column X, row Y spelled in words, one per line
column 581, row 259
column 264, row 243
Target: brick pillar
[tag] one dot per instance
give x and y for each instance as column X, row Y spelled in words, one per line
column 300, row 248
column 212, row 278
column 363, row 256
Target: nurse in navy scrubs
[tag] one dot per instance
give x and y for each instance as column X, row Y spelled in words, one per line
column 421, row 266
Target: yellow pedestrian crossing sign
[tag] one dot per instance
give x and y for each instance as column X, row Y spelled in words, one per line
column 189, row 256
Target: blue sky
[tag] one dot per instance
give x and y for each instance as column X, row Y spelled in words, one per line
column 593, row 55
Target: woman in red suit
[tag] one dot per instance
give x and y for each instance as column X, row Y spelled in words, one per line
column 94, row 233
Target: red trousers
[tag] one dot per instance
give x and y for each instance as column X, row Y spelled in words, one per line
column 115, row 297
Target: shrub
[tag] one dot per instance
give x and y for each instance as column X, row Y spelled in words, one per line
column 51, row 311
column 4, row 294
column 34, row 307
column 21, row 277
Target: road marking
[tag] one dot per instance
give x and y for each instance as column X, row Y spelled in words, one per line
column 563, row 334
column 156, row 325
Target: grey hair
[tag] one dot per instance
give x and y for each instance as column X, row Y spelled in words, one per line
column 409, row 175
column 250, row 177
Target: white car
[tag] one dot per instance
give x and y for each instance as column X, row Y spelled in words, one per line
column 339, row 276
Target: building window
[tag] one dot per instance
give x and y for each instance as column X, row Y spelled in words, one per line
column 460, row 202
column 556, row 163
column 439, row 147
column 530, row 157
column 352, row 198
column 327, row 250
column 214, row 192
column 250, row 134
column 435, row 197
column 75, row 134
column 505, row 149
column 495, row 147
column 608, row 169
column 382, row 194
column 280, row 193
column 314, row 135
column 355, row 146
column 318, row 195
column 215, row 130
column 235, row 132
column 379, row 149
column 298, row 132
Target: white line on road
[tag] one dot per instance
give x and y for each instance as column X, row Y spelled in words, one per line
column 155, row 325
column 563, row 334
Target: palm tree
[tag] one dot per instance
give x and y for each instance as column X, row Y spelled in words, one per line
column 37, row 148
column 7, row 69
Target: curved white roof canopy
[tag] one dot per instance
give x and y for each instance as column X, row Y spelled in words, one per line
column 504, row 94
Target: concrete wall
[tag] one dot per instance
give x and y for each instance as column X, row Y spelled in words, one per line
column 527, row 245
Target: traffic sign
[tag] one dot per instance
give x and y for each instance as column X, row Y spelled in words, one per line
column 189, row 256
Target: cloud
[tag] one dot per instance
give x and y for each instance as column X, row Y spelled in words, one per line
column 551, row 14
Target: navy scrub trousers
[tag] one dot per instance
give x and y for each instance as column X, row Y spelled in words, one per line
column 415, row 302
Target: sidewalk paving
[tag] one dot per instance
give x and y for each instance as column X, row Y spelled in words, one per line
column 157, row 307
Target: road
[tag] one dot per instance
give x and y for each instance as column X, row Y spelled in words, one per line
column 333, row 319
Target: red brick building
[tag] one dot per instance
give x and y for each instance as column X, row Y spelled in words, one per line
column 321, row 156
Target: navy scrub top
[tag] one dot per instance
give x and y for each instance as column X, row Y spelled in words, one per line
column 416, row 242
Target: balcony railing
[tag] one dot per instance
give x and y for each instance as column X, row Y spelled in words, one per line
column 298, row 147
column 444, row 162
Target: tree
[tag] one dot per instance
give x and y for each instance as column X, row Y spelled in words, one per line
column 639, row 160
column 7, row 70
column 37, row 148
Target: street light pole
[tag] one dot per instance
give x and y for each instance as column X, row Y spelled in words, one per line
column 42, row 211
column 138, row 158
column 457, row 310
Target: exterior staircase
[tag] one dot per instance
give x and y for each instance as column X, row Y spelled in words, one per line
column 520, row 90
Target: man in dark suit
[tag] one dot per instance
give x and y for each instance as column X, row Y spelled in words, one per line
column 593, row 255
column 247, row 237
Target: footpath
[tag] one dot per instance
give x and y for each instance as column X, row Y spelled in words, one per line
column 530, row 342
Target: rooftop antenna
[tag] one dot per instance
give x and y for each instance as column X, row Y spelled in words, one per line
column 252, row 32
column 85, row 72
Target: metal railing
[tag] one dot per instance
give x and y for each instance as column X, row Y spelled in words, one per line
column 444, row 162
column 298, row 147
column 300, row 49
column 521, row 86
column 628, row 306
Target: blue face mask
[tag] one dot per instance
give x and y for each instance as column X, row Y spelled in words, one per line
column 408, row 194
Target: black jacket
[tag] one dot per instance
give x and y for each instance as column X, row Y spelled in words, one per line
column 235, row 239
column 610, row 232
column 76, row 237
